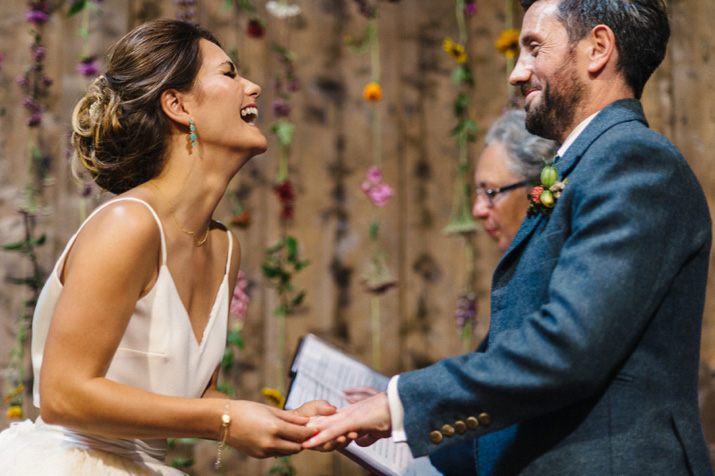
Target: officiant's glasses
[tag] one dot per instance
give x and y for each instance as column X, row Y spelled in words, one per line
column 490, row 193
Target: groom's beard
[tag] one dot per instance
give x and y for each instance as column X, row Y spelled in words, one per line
column 561, row 96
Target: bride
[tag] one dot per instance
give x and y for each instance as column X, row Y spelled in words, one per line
column 131, row 325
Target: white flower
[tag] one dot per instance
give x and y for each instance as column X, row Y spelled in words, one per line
column 282, row 10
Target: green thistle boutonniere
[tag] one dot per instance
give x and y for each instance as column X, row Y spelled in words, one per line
column 544, row 196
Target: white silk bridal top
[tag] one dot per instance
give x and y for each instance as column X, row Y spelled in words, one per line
column 158, row 353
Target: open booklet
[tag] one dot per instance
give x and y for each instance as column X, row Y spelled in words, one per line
column 320, row 371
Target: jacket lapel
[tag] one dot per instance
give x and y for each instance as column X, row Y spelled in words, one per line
column 615, row 113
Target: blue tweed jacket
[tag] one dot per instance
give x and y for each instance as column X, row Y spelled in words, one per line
column 590, row 367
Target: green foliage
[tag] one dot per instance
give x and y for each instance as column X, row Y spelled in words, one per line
column 284, row 131
column 282, row 262
column 244, row 5
column 283, row 467
column 77, row 6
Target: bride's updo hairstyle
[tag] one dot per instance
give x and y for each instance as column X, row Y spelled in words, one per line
column 120, row 131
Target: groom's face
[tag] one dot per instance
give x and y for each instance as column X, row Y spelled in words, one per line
column 547, row 73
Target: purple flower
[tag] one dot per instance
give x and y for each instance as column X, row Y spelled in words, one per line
column 31, row 105
column 38, row 52
column 34, row 120
column 293, row 85
column 86, row 190
column 281, row 107
column 88, row 67
column 366, row 10
column 46, row 82
column 470, row 8
column 22, row 81
column 39, row 13
column 466, row 311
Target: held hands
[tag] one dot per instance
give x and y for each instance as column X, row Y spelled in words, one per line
column 356, row 394
column 365, row 422
column 263, row 431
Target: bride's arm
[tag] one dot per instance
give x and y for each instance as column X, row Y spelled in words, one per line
column 112, row 263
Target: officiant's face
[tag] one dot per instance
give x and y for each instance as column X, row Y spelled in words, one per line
column 501, row 215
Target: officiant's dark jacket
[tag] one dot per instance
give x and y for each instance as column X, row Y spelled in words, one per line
column 590, row 365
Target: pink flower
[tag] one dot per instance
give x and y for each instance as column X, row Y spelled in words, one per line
column 374, row 175
column 380, row 194
column 239, row 300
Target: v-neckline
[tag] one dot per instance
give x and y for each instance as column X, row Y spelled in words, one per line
column 198, row 340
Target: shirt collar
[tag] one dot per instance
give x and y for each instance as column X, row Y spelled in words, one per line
column 574, row 134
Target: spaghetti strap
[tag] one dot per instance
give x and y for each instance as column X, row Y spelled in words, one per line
column 230, row 250
column 156, row 218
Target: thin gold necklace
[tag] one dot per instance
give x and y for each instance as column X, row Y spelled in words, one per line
column 173, row 214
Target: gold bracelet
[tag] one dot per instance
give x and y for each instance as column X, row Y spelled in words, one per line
column 225, row 422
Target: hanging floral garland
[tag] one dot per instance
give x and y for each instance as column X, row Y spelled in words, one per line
column 282, row 260
column 88, row 67
column 508, row 45
column 34, row 85
column 461, row 221
column 377, row 277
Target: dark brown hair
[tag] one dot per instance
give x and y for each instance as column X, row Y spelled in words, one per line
column 640, row 26
column 120, row 131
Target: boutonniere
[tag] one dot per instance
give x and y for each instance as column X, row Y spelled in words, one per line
column 544, row 196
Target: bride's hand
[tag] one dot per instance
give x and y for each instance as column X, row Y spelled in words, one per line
column 263, row 431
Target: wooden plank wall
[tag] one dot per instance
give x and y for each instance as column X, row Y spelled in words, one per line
column 331, row 152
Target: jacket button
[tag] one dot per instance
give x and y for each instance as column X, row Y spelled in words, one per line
column 435, row 437
column 472, row 423
column 485, row 419
column 460, row 427
column 447, row 430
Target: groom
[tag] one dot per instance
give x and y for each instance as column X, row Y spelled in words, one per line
column 590, row 365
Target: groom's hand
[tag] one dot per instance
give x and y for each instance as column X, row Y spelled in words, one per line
column 366, row 421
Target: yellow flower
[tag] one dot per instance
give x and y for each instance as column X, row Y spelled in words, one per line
column 372, row 92
column 455, row 50
column 508, row 43
column 18, row 390
column 14, row 412
column 274, row 397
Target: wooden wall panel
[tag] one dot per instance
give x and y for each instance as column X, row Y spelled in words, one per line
column 331, row 152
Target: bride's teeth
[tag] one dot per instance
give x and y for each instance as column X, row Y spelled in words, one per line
column 249, row 111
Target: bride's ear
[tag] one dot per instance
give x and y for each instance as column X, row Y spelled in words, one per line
column 173, row 104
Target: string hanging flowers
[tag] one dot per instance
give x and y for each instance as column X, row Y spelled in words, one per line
column 88, row 66
column 34, row 85
column 377, row 277
column 461, row 222
column 283, row 261
column 508, row 45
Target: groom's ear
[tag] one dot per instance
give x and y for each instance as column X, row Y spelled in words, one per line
column 601, row 49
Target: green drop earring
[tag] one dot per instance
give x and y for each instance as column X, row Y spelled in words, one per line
column 192, row 133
